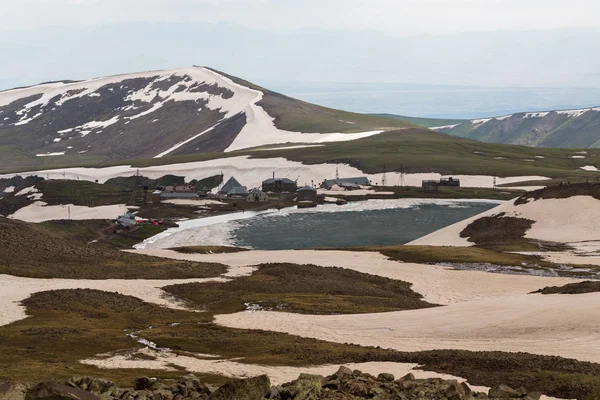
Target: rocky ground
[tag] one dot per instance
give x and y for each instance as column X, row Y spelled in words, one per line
column 345, row 384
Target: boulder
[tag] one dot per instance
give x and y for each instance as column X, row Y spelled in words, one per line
column 12, row 391
column 385, row 377
column 58, row 391
column 342, row 372
column 458, row 391
column 306, row 387
column 142, row 382
column 248, row 389
column 407, row 377
column 504, row 392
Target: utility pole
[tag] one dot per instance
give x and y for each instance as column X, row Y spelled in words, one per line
column 337, row 174
column 383, row 178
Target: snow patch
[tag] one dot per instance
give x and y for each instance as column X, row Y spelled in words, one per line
column 437, row 128
column 59, row 153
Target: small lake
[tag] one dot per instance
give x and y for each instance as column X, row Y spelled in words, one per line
column 365, row 223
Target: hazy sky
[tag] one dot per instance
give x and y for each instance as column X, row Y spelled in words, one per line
column 491, row 43
column 394, row 17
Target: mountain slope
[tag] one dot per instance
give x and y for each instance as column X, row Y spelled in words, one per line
column 157, row 113
column 566, row 128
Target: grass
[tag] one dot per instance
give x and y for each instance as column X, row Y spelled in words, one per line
column 562, row 191
column 36, row 251
column 208, row 249
column 303, row 289
column 425, row 122
column 64, row 327
column 413, row 150
column 420, row 151
column 572, row 288
column 451, row 254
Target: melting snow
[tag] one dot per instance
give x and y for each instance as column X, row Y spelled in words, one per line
column 435, row 128
column 59, row 153
column 9, row 189
column 589, row 168
column 536, row 115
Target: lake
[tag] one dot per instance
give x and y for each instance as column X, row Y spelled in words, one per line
column 365, row 223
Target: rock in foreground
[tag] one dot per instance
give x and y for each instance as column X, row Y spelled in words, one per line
column 343, row 385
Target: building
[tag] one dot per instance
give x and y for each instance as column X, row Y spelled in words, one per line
column 450, row 182
column 180, row 189
column 346, row 183
column 231, row 184
column 307, row 193
column 432, row 185
column 257, row 196
column 238, row 191
column 279, row 185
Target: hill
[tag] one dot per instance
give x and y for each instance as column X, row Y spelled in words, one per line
column 157, row 113
column 425, row 122
column 563, row 128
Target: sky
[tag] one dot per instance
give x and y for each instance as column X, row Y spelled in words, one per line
column 290, row 45
column 392, row 17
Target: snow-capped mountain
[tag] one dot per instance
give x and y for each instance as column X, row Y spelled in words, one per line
column 564, row 128
column 162, row 113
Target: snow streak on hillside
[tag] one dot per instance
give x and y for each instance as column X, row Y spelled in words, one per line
column 139, row 102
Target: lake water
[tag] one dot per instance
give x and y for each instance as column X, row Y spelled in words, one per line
column 366, row 223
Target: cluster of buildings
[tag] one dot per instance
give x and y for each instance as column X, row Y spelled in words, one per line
column 234, row 190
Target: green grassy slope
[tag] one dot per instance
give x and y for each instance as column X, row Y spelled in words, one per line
column 296, row 115
column 418, row 150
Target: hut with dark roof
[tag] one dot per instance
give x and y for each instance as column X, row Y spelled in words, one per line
column 279, row 185
column 307, row 193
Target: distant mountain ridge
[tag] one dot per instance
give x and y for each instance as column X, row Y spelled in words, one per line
column 579, row 128
column 158, row 113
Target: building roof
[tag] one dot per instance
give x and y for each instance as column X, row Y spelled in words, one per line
column 361, row 181
column 231, row 184
column 237, row 190
column 307, row 188
column 256, row 190
column 283, row 180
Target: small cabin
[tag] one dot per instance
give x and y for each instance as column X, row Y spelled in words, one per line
column 279, row 185
column 450, row 182
column 257, row 196
column 307, row 193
